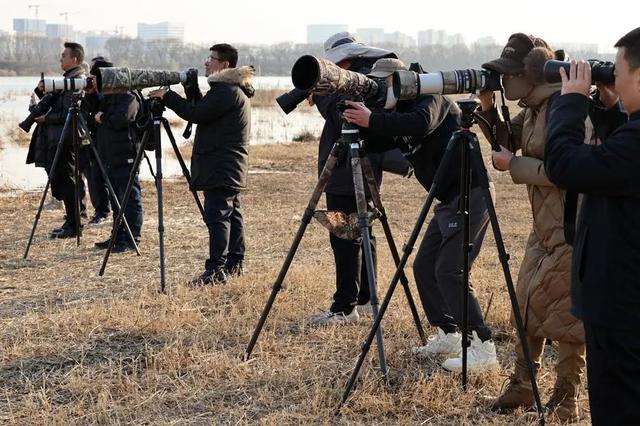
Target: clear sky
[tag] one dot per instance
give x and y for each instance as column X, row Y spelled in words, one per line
column 264, row 21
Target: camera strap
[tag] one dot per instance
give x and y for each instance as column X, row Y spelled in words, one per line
column 506, row 116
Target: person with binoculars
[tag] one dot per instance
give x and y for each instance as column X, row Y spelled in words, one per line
column 606, row 258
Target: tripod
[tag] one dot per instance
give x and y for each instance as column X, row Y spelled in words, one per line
column 153, row 131
column 71, row 123
column 360, row 166
column 471, row 160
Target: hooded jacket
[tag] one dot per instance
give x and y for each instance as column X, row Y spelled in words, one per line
column 223, row 118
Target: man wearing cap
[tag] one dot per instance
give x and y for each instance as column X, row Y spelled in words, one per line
column 422, row 128
column 352, row 287
column 543, row 287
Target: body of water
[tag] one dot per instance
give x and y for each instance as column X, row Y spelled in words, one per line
column 269, row 125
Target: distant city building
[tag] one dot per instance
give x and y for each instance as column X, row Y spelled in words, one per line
column 486, row 41
column 572, row 47
column 456, row 39
column 319, row 33
column 93, row 42
column 399, row 39
column 433, row 37
column 36, row 27
column 60, row 31
column 372, row 36
column 161, row 31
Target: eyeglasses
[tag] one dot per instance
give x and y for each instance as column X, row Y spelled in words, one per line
column 213, row 58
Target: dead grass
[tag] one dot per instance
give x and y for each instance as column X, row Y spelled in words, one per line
column 79, row 349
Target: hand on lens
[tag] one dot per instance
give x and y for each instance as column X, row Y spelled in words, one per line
column 358, row 114
column 310, row 100
column 486, row 99
column 40, row 120
column 98, row 117
column 578, row 80
column 502, row 159
column 158, row 93
column 608, row 95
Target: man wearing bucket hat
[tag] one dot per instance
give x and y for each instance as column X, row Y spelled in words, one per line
column 352, row 287
column 421, row 129
column 543, row 287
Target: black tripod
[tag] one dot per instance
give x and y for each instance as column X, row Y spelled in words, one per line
column 360, row 166
column 71, row 124
column 471, row 160
column 153, row 130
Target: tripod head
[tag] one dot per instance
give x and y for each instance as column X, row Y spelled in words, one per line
column 468, row 107
column 156, row 107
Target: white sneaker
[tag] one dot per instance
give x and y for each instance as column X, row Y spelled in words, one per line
column 448, row 344
column 481, row 356
column 334, row 318
column 365, row 309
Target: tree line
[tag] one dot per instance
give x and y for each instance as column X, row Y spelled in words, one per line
column 28, row 55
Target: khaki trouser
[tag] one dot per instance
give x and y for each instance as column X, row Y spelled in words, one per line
column 571, row 359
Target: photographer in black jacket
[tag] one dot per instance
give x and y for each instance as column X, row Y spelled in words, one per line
column 63, row 180
column 605, row 288
column 352, row 286
column 422, row 129
column 219, row 162
column 117, row 145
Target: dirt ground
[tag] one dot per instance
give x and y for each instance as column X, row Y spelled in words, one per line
column 76, row 348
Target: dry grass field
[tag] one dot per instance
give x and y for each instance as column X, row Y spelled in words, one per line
column 76, row 348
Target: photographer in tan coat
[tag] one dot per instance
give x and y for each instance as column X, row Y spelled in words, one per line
column 543, row 287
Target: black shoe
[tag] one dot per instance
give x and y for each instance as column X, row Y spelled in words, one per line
column 209, row 277
column 98, row 218
column 68, row 230
column 121, row 247
column 102, row 245
column 234, row 270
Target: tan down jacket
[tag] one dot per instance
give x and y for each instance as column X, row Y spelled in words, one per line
column 543, row 287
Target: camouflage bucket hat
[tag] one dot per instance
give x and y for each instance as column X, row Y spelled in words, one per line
column 340, row 224
column 386, row 66
column 511, row 60
column 342, row 46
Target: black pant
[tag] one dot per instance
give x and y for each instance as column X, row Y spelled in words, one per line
column 437, row 267
column 223, row 217
column 98, row 193
column 613, row 375
column 119, row 178
column 63, row 180
column 352, row 285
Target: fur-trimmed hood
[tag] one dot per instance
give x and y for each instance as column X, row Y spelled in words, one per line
column 241, row 77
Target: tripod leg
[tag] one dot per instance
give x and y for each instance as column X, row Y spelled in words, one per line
column 125, row 200
column 52, row 171
column 336, row 152
column 76, row 171
column 465, row 184
column 158, row 145
column 363, row 219
column 408, row 248
column 377, row 201
column 114, row 197
column 183, row 166
column 478, row 165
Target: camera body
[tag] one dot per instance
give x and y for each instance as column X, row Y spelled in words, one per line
column 601, row 71
column 41, row 108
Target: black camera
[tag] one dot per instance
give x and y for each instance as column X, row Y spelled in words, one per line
column 601, row 71
column 41, row 108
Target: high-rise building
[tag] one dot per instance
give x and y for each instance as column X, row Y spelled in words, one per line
column 36, row 27
column 60, row 31
column 372, row 36
column 319, row 33
column 486, row 41
column 399, row 39
column 161, row 31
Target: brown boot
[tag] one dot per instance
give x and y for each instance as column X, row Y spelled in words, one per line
column 517, row 393
column 563, row 403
